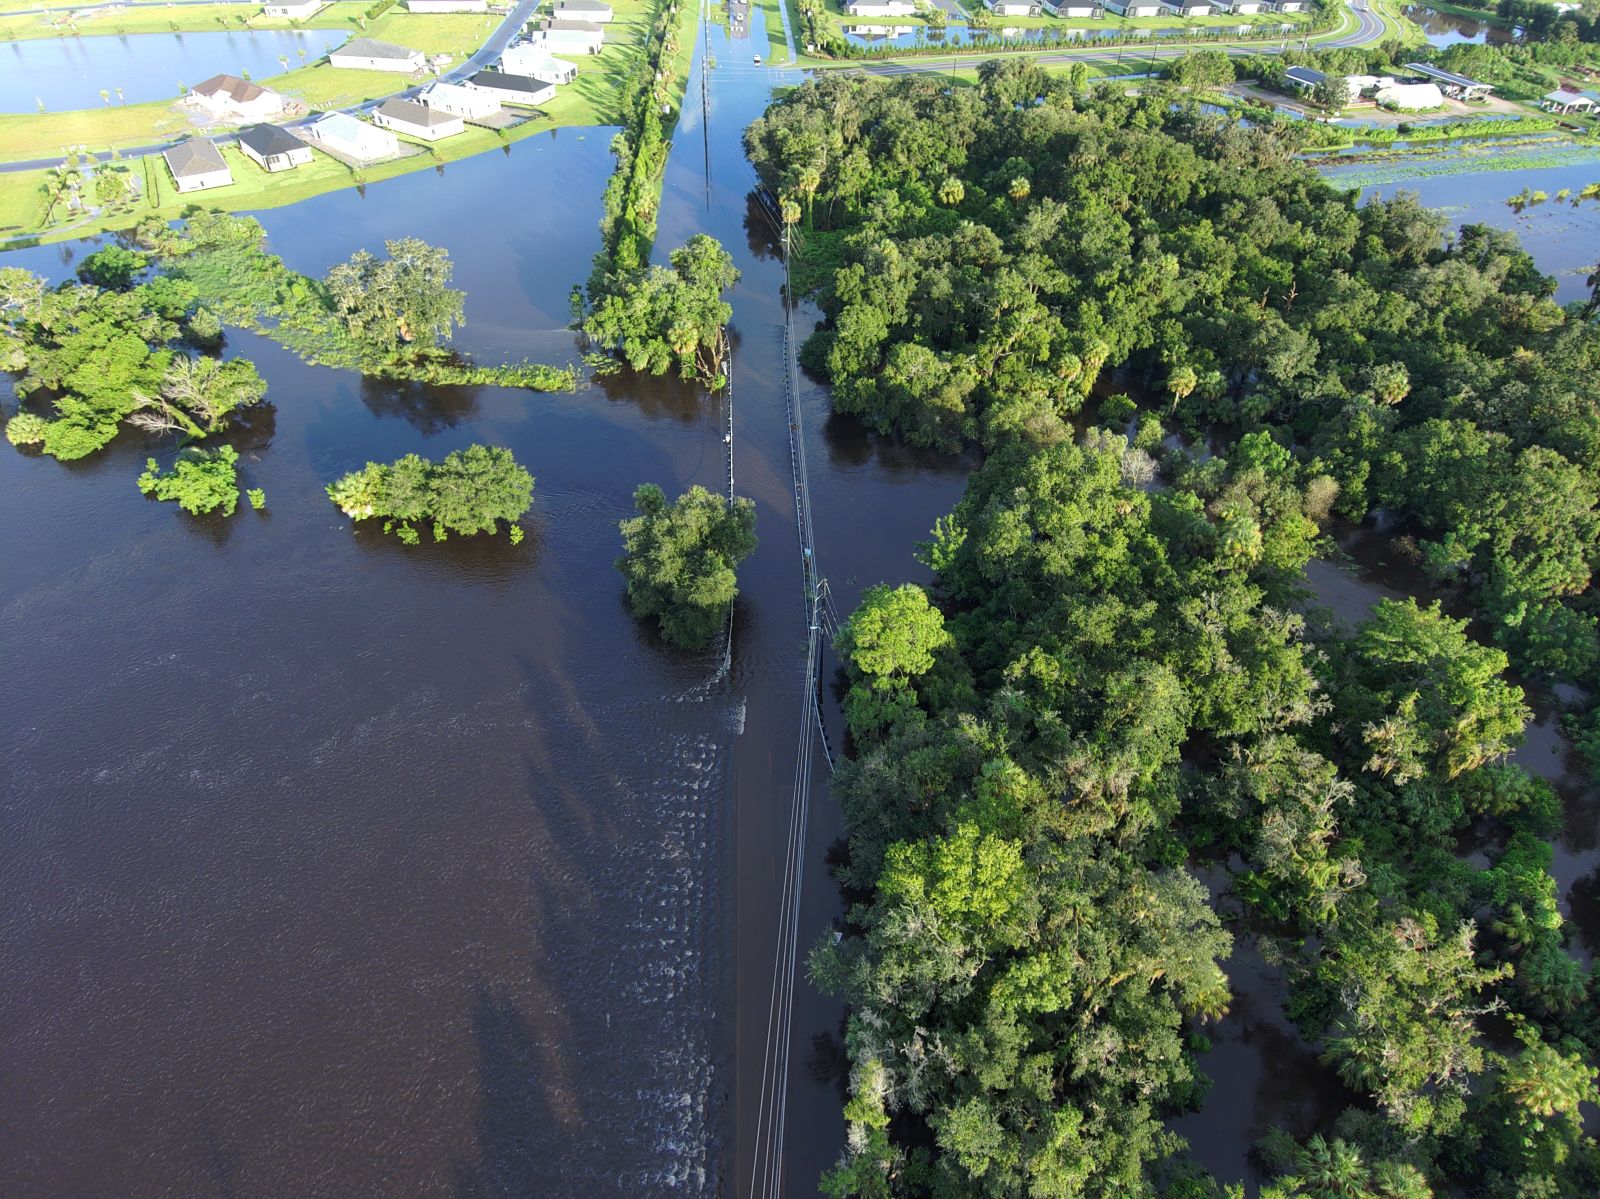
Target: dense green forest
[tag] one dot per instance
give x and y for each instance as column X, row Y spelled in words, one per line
column 1185, row 357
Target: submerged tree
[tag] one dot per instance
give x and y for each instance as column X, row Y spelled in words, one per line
column 470, row 492
column 655, row 319
column 402, row 300
column 680, row 560
column 201, row 481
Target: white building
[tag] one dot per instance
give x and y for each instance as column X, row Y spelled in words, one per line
column 273, row 149
column 529, row 60
column 293, row 10
column 447, row 5
column 513, row 89
column 1136, row 8
column 570, row 37
column 1191, row 8
column 364, row 54
column 468, row 102
column 417, row 120
column 343, row 134
column 1289, row 5
column 1075, row 8
column 881, row 8
column 596, row 12
column 196, row 165
column 1566, row 100
column 1411, row 95
column 1013, row 8
column 229, row 98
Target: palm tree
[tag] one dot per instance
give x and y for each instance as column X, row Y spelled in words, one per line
column 105, row 96
column 120, row 99
column 1332, row 1170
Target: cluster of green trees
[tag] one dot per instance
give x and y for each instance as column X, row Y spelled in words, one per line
column 387, row 317
column 201, row 481
column 980, row 271
column 681, row 559
column 470, row 492
column 660, row 317
column 653, row 318
column 1110, row 679
column 108, row 349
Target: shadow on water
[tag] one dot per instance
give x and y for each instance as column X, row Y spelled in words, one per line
column 426, row 407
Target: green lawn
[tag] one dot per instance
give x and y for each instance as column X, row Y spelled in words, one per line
column 188, row 18
column 590, row 100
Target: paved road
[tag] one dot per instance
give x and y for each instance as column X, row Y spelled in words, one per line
column 471, row 65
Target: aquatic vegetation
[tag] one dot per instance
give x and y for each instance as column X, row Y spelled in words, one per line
column 1526, row 198
column 470, row 492
column 201, row 481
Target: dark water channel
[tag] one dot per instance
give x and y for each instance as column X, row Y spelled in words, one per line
column 1449, row 29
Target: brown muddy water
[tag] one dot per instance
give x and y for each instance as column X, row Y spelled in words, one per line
column 331, row 867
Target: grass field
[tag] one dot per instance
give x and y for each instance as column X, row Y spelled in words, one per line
column 189, row 18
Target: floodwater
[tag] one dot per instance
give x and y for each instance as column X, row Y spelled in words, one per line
column 1563, row 237
column 336, row 867
column 1450, row 29
column 71, row 72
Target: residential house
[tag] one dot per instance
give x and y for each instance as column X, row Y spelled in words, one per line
column 447, row 5
column 229, row 98
column 560, row 36
column 1303, row 79
column 342, row 134
column 1190, row 8
column 596, row 12
column 513, row 89
column 293, row 10
column 1242, row 7
column 881, row 8
column 1289, row 5
column 417, row 120
column 467, row 102
column 523, row 59
column 1568, row 99
column 274, row 148
column 1075, row 8
column 364, row 54
column 196, row 164
column 1013, row 8
column 1135, row 8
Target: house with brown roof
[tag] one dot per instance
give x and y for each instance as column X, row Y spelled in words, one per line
column 229, row 98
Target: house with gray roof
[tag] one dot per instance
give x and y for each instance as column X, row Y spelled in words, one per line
column 365, row 54
column 196, row 164
column 273, row 148
column 417, row 120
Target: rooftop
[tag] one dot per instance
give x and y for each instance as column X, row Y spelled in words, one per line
column 240, row 91
column 509, row 83
column 1304, row 75
column 1450, row 77
column 415, row 114
column 196, row 156
column 366, row 47
column 267, row 140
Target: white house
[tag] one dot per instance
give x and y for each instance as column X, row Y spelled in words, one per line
column 881, row 8
column 596, row 12
column 418, row 120
column 342, row 133
column 571, row 37
column 1136, row 8
column 513, row 89
column 227, row 97
column 468, row 102
column 196, row 165
column 1075, row 8
column 523, row 59
column 293, row 10
column 1191, row 8
column 364, row 54
column 1289, row 5
column 447, row 5
column 1303, row 79
column 1246, row 7
column 1013, row 8
column 273, row 148
column 1410, row 95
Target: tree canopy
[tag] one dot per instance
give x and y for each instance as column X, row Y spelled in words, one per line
column 680, row 560
column 470, row 492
